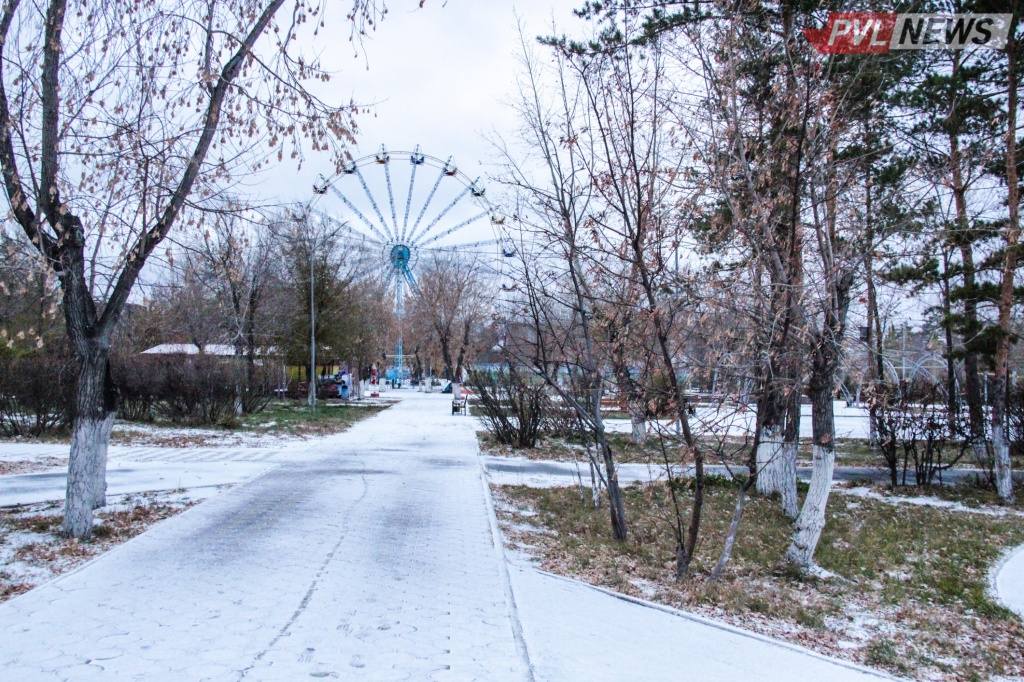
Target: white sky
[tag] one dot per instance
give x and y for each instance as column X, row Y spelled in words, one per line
column 441, row 77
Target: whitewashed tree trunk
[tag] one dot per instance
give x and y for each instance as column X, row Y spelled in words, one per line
column 1004, row 472
column 95, row 404
column 776, row 468
column 826, row 359
column 100, row 484
column 769, row 458
column 787, row 474
column 811, row 520
column 638, row 422
column 86, row 484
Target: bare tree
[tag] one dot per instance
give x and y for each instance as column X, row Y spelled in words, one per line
column 1011, row 239
column 450, row 299
column 638, row 175
column 116, row 120
column 556, row 293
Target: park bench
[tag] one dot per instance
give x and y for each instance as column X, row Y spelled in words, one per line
column 459, row 406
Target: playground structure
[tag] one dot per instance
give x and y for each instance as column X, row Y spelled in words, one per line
column 399, row 240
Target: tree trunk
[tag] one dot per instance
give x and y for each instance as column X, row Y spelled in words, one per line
column 616, row 505
column 769, row 454
column 1000, row 440
column 730, row 537
column 790, row 448
column 630, row 396
column 874, row 328
column 776, row 449
column 95, row 405
column 638, row 423
column 811, row 520
column 972, row 326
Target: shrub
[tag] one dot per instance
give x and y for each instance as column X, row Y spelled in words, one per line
column 195, row 390
column 36, row 394
column 512, row 406
column 915, row 429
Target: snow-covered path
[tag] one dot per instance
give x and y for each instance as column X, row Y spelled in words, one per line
column 1008, row 580
column 374, row 557
column 129, row 477
column 375, row 561
column 575, row 632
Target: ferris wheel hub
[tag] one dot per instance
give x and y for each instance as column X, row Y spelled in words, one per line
column 400, row 256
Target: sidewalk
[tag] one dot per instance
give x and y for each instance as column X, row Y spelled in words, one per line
column 374, row 561
column 375, row 558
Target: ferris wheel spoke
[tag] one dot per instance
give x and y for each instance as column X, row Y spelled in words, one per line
column 391, row 198
column 430, row 198
column 408, row 197
column 442, row 214
column 456, row 248
column 373, row 202
column 352, row 207
column 364, row 239
column 455, row 228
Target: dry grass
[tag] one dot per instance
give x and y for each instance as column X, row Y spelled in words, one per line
column 297, row 419
column 33, row 550
column 850, row 452
column 911, row 596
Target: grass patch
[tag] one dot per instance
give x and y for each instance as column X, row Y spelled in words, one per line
column 912, row 587
column 34, row 550
column 730, row 450
column 296, row 418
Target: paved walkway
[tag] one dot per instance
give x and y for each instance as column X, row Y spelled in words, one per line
column 374, row 561
column 374, row 558
column 133, row 477
column 1008, row 580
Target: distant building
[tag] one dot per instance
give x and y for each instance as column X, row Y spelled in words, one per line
column 222, row 349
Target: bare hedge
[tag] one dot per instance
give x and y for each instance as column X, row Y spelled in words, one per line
column 194, row 390
column 36, row 395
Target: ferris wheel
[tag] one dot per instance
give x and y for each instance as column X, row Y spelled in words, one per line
column 445, row 213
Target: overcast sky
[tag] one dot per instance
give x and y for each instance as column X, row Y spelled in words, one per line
column 441, row 77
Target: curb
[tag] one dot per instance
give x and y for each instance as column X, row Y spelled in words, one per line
column 993, row 577
column 499, row 549
column 718, row 625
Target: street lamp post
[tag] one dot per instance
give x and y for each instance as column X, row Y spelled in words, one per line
column 312, row 328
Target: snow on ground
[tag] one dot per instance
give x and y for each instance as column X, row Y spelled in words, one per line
column 376, row 557
column 32, row 552
column 131, row 478
column 132, row 433
column 578, row 632
column 1007, row 580
column 550, row 474
column 738, row 421
column 926, row 501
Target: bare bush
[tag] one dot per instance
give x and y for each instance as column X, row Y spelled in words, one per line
column 512, row 406
column 199, row 390
column 35, row 395
column 915, row 432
